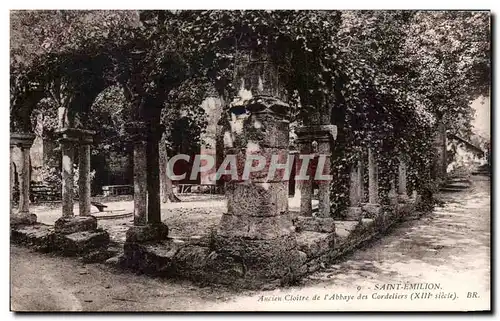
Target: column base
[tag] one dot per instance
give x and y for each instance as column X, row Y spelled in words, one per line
column 23, row 218
column 371, row 210
column 394, row 201
column 147, row 233
column 315, row 224
column 79, row 235
column 255, row 263
column 354, row 213
column 73, row 224
column 403, row 198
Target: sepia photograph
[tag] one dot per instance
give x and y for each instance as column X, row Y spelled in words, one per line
column 250, row 160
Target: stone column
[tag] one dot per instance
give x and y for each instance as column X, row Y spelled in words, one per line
column 355, row 192
column 24, row 142
column 440, row 146
column 84, row 173
column 71, row 138
column 393, row 195
column 24, row 179
column 373, row 197
column 68, row 141
column 372, row 208
column 324, row 137
column 255, row 239
column 147, row 216
column 305, row 185
column 153, row 175
column 12, row 178
column 402, row 184
column 138, row 135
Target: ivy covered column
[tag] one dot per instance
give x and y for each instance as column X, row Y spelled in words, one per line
column 372, row 208
column 402, row 181
column 373, row 197
column 393, row 195
column 24, row 142
column 356, row 191
column 256, row 238
column 440, row 146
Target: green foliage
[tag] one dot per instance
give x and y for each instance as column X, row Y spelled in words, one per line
column 401, row 70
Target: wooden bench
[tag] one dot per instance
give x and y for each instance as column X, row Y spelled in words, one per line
column 200, row 188
column 113, row 190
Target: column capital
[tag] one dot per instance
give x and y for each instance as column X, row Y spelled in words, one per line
column 75, row 135
column 264, row 104
column 23, row 140
column 319, row 133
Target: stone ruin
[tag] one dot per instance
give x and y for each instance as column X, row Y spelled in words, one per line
column 258, row 243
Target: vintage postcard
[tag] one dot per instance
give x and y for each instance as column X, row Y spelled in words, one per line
column 250, row 160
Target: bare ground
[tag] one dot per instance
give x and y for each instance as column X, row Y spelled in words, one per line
column 450, row 246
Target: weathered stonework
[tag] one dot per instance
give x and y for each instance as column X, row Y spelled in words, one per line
column 37, row 236
column 81, row 242
column 45, row 238
column 74, row 224
column 402, row 182
column 356, row 193
column 371, row 210
column 273, row 199
column 255, row 241
column 147, row 233
column 24, row 142
column 315, row 244
column 315, row 224
column 231, row 261
column 353, row 213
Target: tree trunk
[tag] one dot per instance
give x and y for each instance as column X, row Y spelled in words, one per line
column 167, row 190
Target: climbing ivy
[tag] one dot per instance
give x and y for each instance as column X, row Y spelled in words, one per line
column 384, row 78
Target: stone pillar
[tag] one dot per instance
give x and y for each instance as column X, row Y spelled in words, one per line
column 305, row 185
column 138, row 134
column 293, row 190
column 402, row 184
column 24, row 142
column 68, row 142
column 71, row 138
column 147, row 216
column 440, row 146
column 373, row 197
column 255, row 239
column 323, row 137
column 12, row 178
column 372, row 208
column 393, row 195
column 84, row 173
column 153, row 174
column 355, row 192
